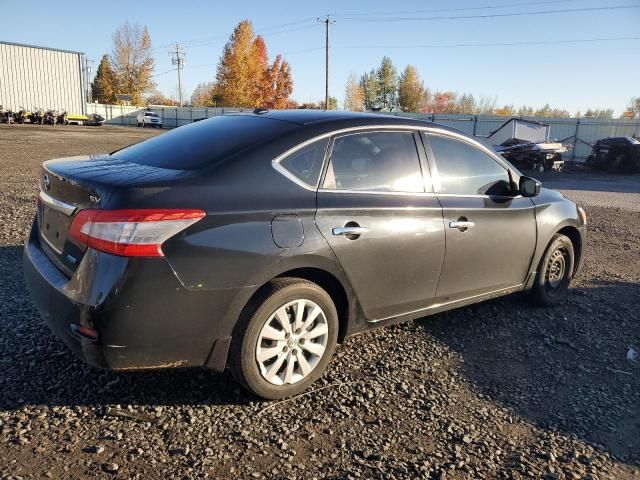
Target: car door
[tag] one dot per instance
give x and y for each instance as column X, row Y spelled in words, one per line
column 490, row 231
column 386, row 232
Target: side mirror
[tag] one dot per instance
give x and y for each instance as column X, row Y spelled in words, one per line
column 529, row 187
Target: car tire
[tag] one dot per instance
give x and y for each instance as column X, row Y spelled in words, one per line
column 272, row 360
column 554, row 272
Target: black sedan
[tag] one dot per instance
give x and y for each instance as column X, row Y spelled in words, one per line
column 257, row 242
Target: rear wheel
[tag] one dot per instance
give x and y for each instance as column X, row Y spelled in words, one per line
column 554, row 272
column 285, row 340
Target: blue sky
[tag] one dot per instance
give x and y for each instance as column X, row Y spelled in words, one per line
column 573, row 76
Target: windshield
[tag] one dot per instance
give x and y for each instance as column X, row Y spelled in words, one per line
column 203, row 143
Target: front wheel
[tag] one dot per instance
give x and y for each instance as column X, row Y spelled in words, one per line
column 285, row 339
column 554, row 272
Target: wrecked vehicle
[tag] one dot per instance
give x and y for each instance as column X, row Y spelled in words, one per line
column 615, row 154
column 526, row 145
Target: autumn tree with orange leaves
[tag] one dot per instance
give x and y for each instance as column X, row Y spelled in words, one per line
column 245, row 78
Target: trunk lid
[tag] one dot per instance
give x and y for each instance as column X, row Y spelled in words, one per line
column 72, row 184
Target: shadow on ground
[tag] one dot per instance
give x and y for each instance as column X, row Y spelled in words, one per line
column 562, row 368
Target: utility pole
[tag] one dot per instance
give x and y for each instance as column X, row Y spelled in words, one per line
column 177, row 58
column 89, row 69
column 327, row 21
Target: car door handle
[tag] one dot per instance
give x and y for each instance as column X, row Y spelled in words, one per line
column 462, row 225
column 349, row 230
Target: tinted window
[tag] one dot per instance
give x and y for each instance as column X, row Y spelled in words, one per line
column 203, row 143
column 375, row 161
column 306, row 163
column 467, row 170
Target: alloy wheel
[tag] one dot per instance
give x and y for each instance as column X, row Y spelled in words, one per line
column 292, row 342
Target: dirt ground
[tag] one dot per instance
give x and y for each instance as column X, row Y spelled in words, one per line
column 496, row 390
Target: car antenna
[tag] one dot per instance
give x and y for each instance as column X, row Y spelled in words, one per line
column 260, row 111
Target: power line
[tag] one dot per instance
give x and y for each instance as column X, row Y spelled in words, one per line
column 164, row 73
column 268, row 34
column 222, row 38
column 440, row 10
column 471, row 45
column 488, row 15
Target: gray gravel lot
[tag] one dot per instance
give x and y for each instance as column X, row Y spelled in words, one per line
column 496, row 390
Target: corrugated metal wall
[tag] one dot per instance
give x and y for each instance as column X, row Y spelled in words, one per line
column 33, row 77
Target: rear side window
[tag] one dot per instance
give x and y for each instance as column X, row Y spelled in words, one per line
column 203, row 143
column 375, row 161
column 306, row 163
column 467, row 170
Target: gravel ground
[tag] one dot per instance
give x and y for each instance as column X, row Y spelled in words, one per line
column 496, row 390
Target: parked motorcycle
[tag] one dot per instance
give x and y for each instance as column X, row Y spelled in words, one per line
column 62, row 119
column 38, row 116
column 50, row 117
column 22, row 115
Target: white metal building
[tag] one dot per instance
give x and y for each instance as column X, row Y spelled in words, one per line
column 39, row 77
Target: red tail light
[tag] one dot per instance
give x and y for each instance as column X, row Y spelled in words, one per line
column 130, row 233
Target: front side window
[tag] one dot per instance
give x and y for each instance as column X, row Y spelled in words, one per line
column 375, row 161
column 306, row 163
column 467, row 170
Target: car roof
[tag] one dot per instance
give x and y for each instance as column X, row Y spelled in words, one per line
column 314, row 117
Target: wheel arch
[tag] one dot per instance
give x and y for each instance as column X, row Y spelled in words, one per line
column 576, row 240
column 324, row 279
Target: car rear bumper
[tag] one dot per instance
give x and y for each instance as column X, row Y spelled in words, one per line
column 143, row 316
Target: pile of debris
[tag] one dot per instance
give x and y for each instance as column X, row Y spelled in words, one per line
column 526, row 145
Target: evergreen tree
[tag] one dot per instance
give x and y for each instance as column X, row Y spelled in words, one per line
column 104, row 86
column 370, row 88
column 387, row 77
column 411, row 93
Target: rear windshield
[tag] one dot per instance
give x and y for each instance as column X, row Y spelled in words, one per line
column 203, row 143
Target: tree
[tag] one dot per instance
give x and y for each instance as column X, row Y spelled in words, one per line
column 245, row 78
column 443, row 102
column 333, row 104
column 283, row 85
column 353, row 95
column 466, row 104
column 277, row 85
column 598, row 113
column 387, row 77
column 157, row 98
column 507, row 110
column 132, row 61
column 525, row 111
column 235, row 83
column 202, row 95
column 262, row 80
column 370, row 87
column 486, row 105
column 634, row 108
column 104, row 86
column 411, row 93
